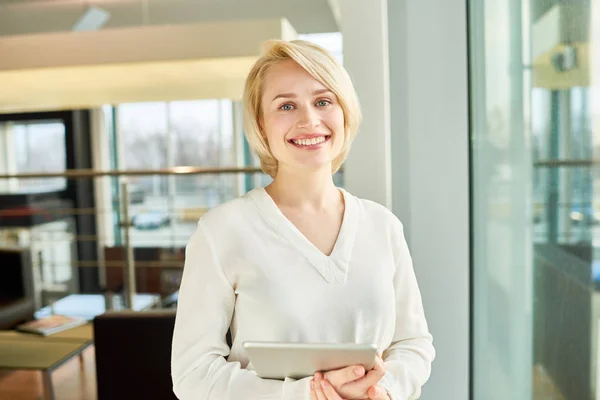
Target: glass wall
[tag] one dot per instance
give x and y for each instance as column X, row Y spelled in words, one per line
column 535, row 135
column 32, row 146
column 159, row 135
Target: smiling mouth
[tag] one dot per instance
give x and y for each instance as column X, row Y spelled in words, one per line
column 310, row 141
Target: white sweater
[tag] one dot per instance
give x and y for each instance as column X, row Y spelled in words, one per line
column 250, row 269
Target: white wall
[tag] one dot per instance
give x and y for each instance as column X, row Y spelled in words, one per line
column 420, row 166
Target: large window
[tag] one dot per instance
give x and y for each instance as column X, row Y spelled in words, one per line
column 32, row 147
column 536, row 226
column 161, row 135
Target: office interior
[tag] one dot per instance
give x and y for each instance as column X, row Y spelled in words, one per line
column 120, row 126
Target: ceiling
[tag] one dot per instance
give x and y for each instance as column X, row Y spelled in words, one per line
column 40, row 16
column 148, row 50
column 135, row 64
column 93, row 86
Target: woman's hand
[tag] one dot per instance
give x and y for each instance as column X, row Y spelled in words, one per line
column 378, row 393
column 351, row 383
column 322, row 390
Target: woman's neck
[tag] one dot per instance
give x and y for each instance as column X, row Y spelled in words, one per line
column 304, row 189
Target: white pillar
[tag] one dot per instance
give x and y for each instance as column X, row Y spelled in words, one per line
column 102, row 187
column 367, row 172
column 425, row 139
column 430, row 175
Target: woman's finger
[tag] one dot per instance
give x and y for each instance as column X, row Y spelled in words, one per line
column 319, row 390
column 342, row 376
column 377, row 393
column 379, row 367
column 313, row 394
column 330, row 391
column 372, row 378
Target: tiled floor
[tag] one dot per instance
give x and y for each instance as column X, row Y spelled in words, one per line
column 75, row 380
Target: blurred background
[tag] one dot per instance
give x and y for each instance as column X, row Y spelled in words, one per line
column 120, row 126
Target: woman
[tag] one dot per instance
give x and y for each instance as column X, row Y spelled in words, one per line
column 299, row 260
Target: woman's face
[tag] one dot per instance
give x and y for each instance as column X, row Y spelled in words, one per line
column 301, row 119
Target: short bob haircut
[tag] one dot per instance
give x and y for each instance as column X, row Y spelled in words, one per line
column 321, row 66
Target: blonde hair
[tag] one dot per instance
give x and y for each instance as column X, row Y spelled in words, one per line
column 321, row 66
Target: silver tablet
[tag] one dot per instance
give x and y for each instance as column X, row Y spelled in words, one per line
column 278, row 360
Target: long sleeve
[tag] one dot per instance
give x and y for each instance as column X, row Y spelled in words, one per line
column 408, row 359
column 200, row 370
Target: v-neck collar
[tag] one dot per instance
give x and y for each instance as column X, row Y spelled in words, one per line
column 333, row 267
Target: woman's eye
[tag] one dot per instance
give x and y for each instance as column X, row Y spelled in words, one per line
column 287, row 107
column 323, row 103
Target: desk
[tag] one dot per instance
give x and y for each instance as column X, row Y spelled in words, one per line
column 46, row 354
column 83, row 333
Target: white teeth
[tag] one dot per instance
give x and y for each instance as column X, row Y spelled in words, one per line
column 308, row 142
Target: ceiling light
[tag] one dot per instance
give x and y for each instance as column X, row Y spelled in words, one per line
column 93, row 19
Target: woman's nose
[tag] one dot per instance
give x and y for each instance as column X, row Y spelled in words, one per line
column 308, row 118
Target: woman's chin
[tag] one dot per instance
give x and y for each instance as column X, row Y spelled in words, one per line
column 312, row 166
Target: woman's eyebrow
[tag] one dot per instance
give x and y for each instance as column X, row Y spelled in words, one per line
column 293, row 95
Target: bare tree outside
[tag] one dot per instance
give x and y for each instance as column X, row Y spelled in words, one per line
column 172, row 134
column 40, row 147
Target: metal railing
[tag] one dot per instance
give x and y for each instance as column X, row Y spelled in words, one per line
column 113, row 217
column 90, row 173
